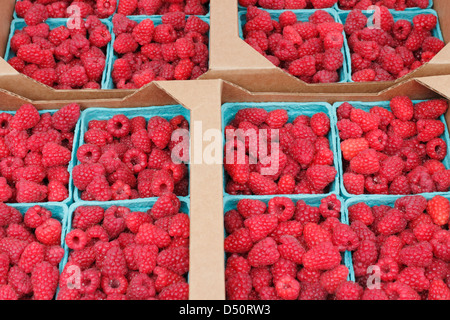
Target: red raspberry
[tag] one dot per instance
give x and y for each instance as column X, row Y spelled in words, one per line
column 262, row 185
column 305, row 66
column 354, row 183
column 399, row 291
column 238, row 286
column 176, row 19
column 429, row 129
column 33, row 254
column 313, row 291
column 320, row 124
column 438, row 290
column 239, row 241
column 331, row 280
column 366, row 120
column 105, row 8
column 365, row 75
column 76, row 239
column 439, row 210
column 291, row 249
column 49, row 232
column 282, row 208
column 36, row 14
column 402, row 108
column 349, row 130
column 324, row 256
column 165, row 278
column 149, row 234
column 344, row 237
column 353, row 147
column 425, row 22
column 57, row 191
column 27, row 191
column 349, row 290
column 55, row 155
column 44, row 280
column 176, row 291
column 263, row 253
column 355, row 21
column 141, row 287
column 437, row 149
column 251, row 207
column 26, row 117
column 287, row 288
column 415, row 278
column 233, row 221
column 417, row 255
column 430, row 109
column 260, row 226
column 174, row 259
column 75, row 77
column 366, row 162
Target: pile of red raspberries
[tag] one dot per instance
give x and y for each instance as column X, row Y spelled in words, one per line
column 404, row 249
column 287, row 251
column 120, row 254
column 35, row 151
column 310, row 50
column 30, row 253
column 391, row 49
column 64, row 57
column 265, row 154
column 127, row 158
column 176, row 49
column 398, row 151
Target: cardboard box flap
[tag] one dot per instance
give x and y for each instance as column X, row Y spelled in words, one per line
column 439, row 84
column 233, row 93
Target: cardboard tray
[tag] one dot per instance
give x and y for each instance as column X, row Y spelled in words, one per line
column 231, row 59
column 204, row 99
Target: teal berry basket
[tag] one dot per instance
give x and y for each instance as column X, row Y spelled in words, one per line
column 207, row 15
column 70, row 166
column 398, row 15
column 230, row 203
column 19, row 24
column 137, row 205
column 294, row 110
column 60, row 212
column 366, row 106
column 303, row 15
column 373, row 202
column 157, row 20
column 167, row 112
column 430, row 6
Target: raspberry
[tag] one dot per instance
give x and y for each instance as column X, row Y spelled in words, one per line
column 305, row 66
column 105, row 8
column 26, row 117
column 366, row 162
column 415, row 278
column 430, row 109
column 176, row 291
column 141, row 287
column 49, row 232
column 262, row 185
column 365, row 75
column 355, row 21
column 55, row 155
column 174, row 259
column 75, row 77
column 287, row 288
column 349, row 290
column 44, row 280
column 439, row 210
column 7, row 293
column 366, row 120
column 437, row 149
column 417, row 255
column 27, row 191
column 399, row 291
column 402, row 108
column 83, row 174
column 323, row 256
column 332, row 279
column 354, row 183
column 76, row 239
column 411, row 206
column 36, row 14
column 351, row 148
column 260, row 226
column 263, row 253
column 438, row 290
column 425, row 22
column 282, row 208
column 35, row 216
column 291, row 249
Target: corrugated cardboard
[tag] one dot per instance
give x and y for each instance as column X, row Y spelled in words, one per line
column 204, row 99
